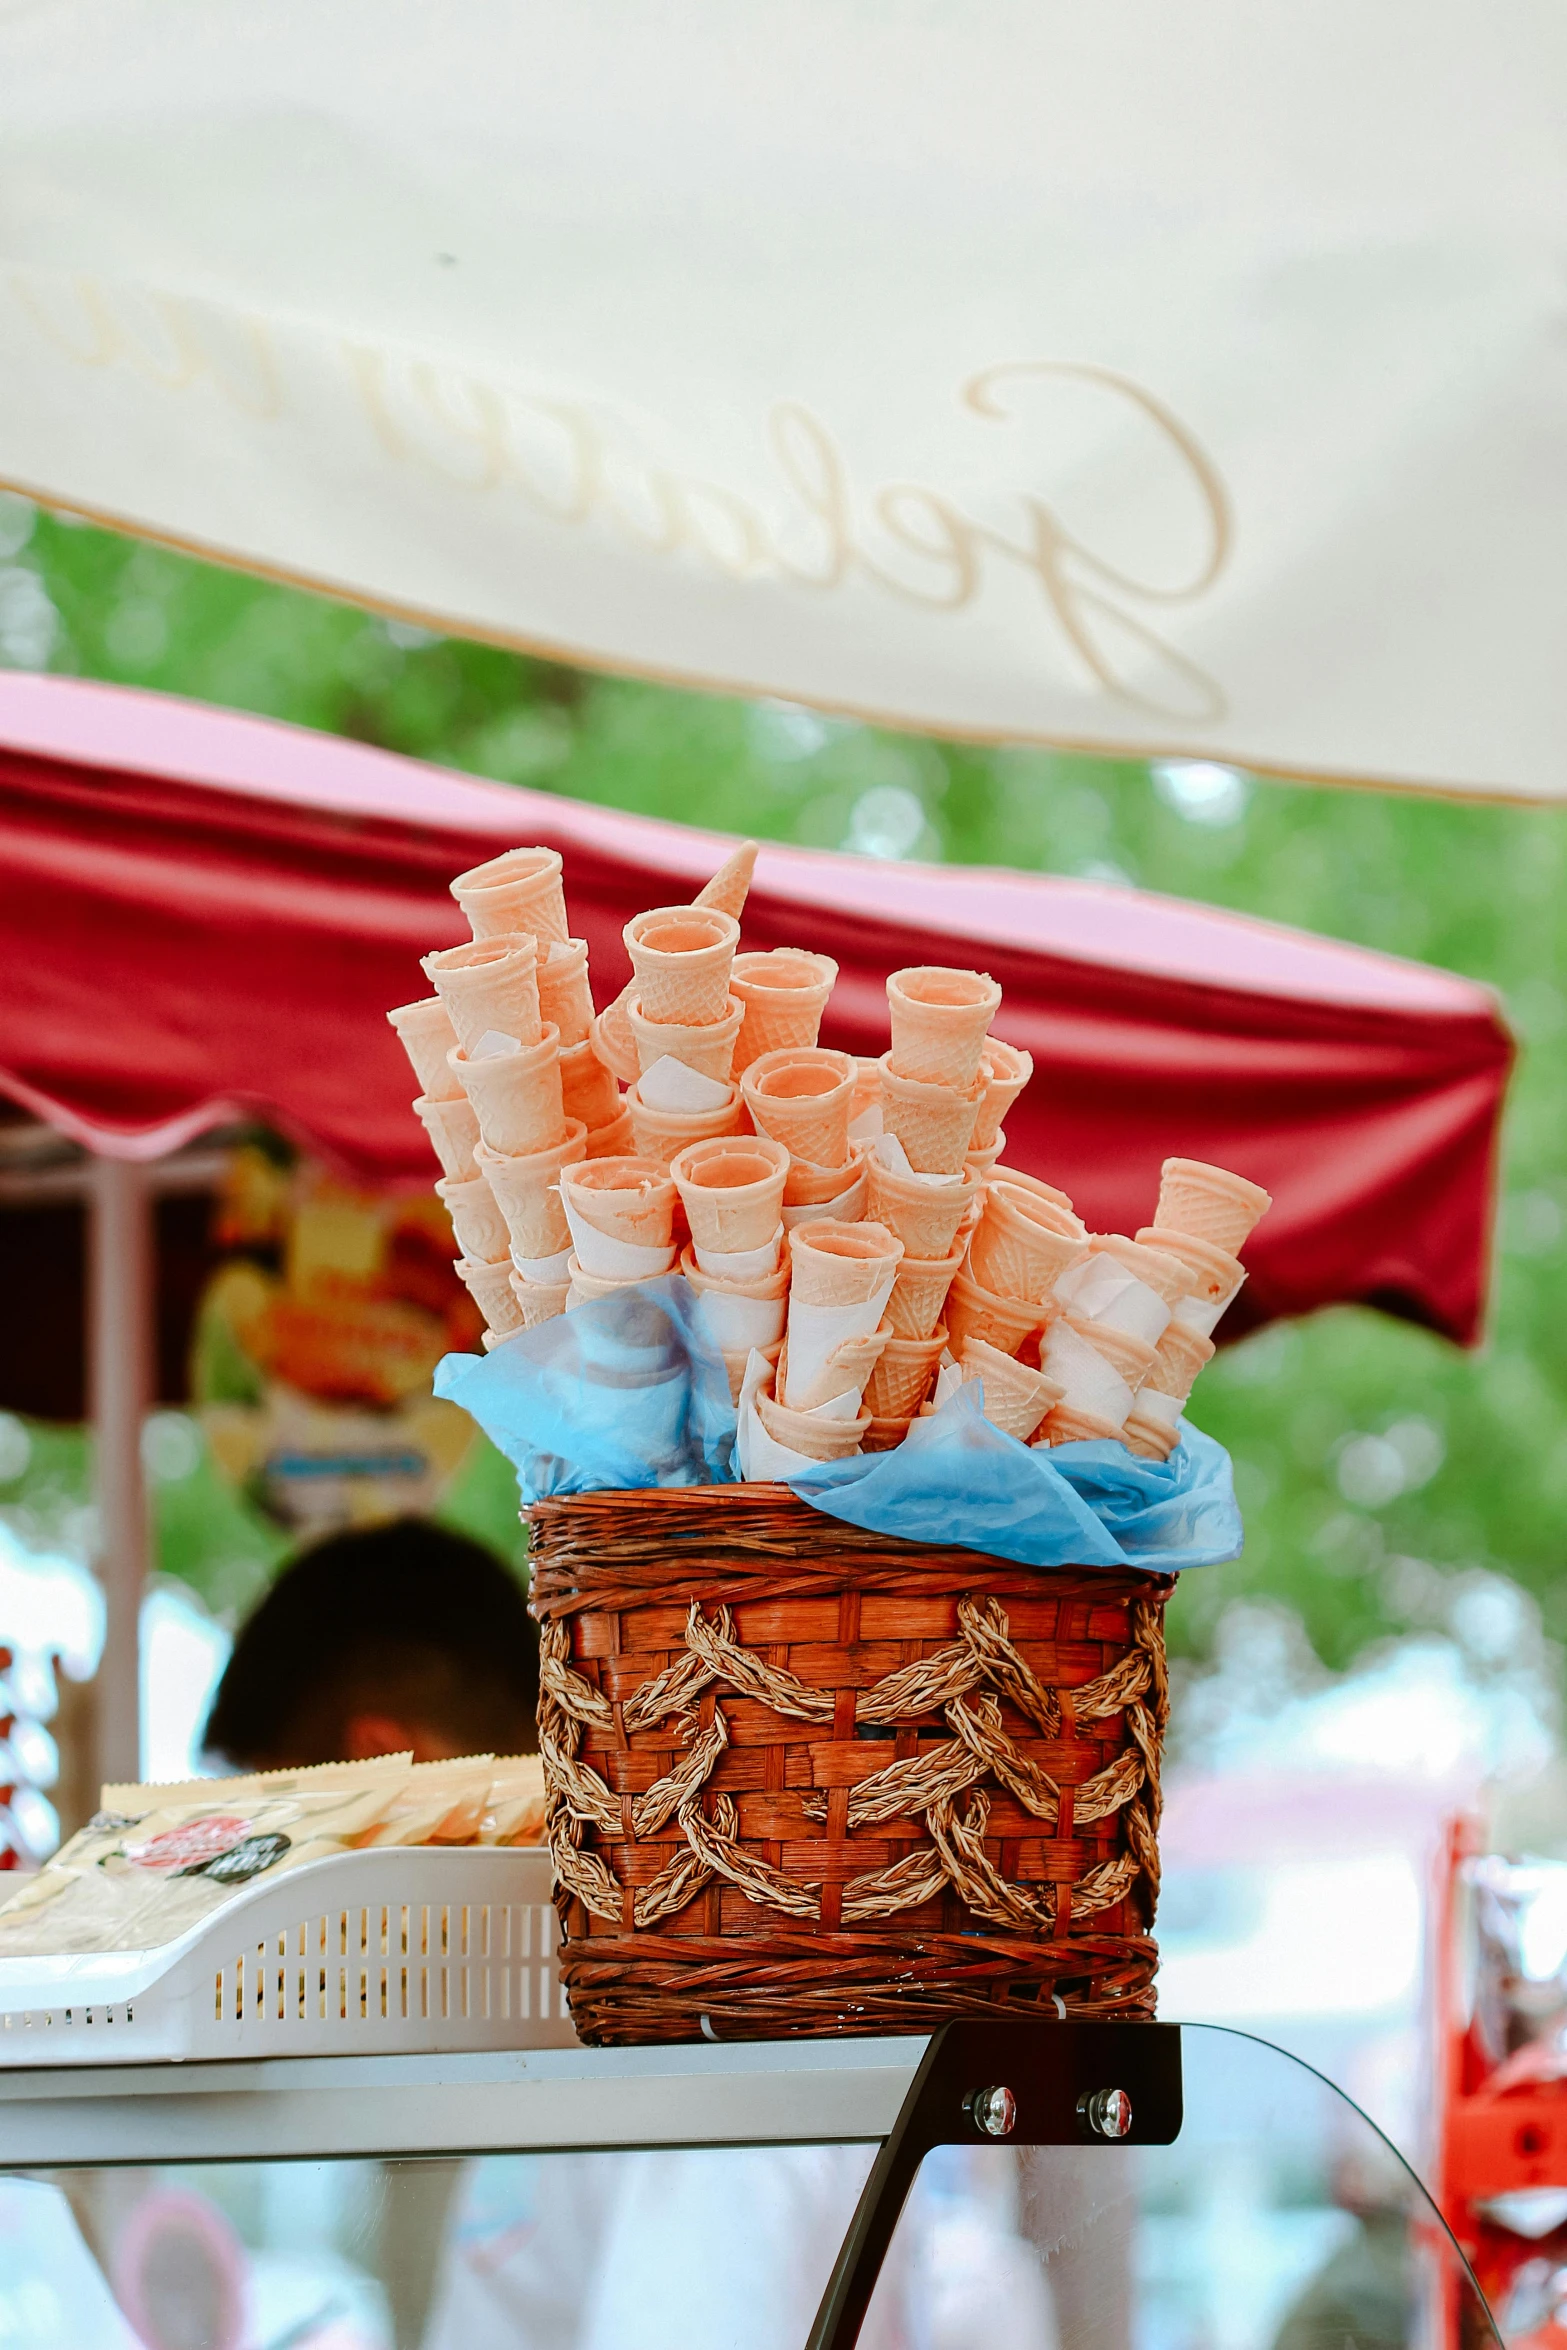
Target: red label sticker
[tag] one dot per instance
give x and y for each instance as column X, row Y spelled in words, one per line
column 187, row 1847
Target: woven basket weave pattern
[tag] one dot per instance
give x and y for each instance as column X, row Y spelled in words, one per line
column 806, row 1779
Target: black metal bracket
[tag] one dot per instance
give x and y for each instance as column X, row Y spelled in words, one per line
column 1054, row 2073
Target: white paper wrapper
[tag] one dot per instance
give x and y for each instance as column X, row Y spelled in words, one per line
column 670, row 1085
column 869, row 1126
column 893, row 1156
column 551, row 1271
column 611, row 1258
column 948, row 1380
column 1166, row 1409
column 761, row 1457
column 847, row 1208
column 816, row 1332
column 1089, row 1383
column 741, row 1264
column 733, row 1321
column 493, row 1041
column 1101, row 1289
column 1197, row 1313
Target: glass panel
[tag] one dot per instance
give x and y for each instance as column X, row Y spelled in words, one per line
column 1278, row 2220
column 700, row 2249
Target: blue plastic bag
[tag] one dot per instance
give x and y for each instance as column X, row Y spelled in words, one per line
column 625, row 1392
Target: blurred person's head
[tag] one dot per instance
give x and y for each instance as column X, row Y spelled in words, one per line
column 386, row 1638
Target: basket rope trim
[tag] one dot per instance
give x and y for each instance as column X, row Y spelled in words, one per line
column 982, row 1659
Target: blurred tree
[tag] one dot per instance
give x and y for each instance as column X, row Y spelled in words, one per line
column 1387, row 1479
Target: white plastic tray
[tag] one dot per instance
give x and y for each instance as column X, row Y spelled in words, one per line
column 406, row 1951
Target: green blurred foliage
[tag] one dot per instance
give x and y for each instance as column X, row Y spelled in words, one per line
column 1377, row 1465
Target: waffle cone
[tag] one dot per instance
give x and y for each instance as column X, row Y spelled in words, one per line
column 564, row 994
column 587, row 1084
column 802, row 1097
column 617, row 1140
column 1132, row 1357
column 919, row 1293
column 1062, row 1425
column 1041, row 1190
column 732, row 1191
column 1180, row 1356
column 933, row 1122
column 520, row 890
column 681, row 958
column 728, row 889
column 884, row 1435
column 834, row 1264
column 820, row 1439
column 1150, row 1440
column 1165, row 1275
column 477, row 1222
column 848, row 1366
column 709, row 1048
column 981, row 1163
column 867, row 1084
column 586, row 1288
column 539, row 1301
column 425, row 1032
column 924, row 1216
column 736, row 1359
column 819, row 1187
column 527, row 1192
column 1016, row 1399
column 939, row 1020
column 630, row 1199
column 663, row 1134
column 616, row 1043
column 1215, row 1276
column 1004, row 1069
column 1022, row 1244
column 454, row 1135
column 490, row 1288
column 901, row 1378
column 1210, row 1203
column 492, row 983
column 973, row 1311
column 785, row 994
column 516, row 1095
column 759, row 1285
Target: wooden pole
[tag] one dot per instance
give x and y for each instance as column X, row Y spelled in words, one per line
column 120, row 1378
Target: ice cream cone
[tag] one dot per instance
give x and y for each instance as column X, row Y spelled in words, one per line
column 981, row 1163
column 516, row 1094
column 662, row 1134
column 1132, row 1357
column 739, row 1314
column 732, row 1191
column 587, row 1084
column 681, row 958
column 844, row 1370
column 1001, row 1173
column 867, row 1085
column 490, row 1288
column 727, row 890
column 425, row 1032
column 490, row 984
column 1090, row 1380
column 518, row 891
column 477, row 1222
column 1214, row 1276
column 617, row 1140
column 900, row 1380
column 736, row 1359
column 1023, row 1243
column 527, row 1192
column 1016, row 1399
column 585, row 1288
column 454, row 1133
column 973, row 1311
column 939, row 1020
column 708, row 1047
column 1005, row 1070
column 802, row 1097
column 539, row 1301
column 925, row 1216
column 612, row 1034
column 1165, row 1275
column 816, row 1434
column 629, row 1199
column 830, row 1194
column 934, row 1123
column 919, row 1293
column 884, row 1435
column 564, row 994
column 1210, row 1203
column 784, row 994
column 836, row 1264
column 1065, row 1425
column 1181, row 1355
column 1149, row 1439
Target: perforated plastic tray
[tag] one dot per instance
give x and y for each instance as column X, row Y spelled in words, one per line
column 365, row 1953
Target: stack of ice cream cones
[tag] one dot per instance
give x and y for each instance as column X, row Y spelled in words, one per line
column 841, row 1278
column 732, row 1194
column 620, row 1213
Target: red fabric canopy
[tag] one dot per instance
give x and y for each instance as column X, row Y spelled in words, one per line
column 206, row 915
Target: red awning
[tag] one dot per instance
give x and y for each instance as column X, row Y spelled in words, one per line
column 205, row 915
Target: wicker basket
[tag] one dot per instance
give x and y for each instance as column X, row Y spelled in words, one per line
column 805, row 1779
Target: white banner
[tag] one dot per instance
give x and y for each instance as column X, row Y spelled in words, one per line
column 1182, row 380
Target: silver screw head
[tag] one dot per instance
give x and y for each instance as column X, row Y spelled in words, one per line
column 1107, row 2112
column 993, row 2110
